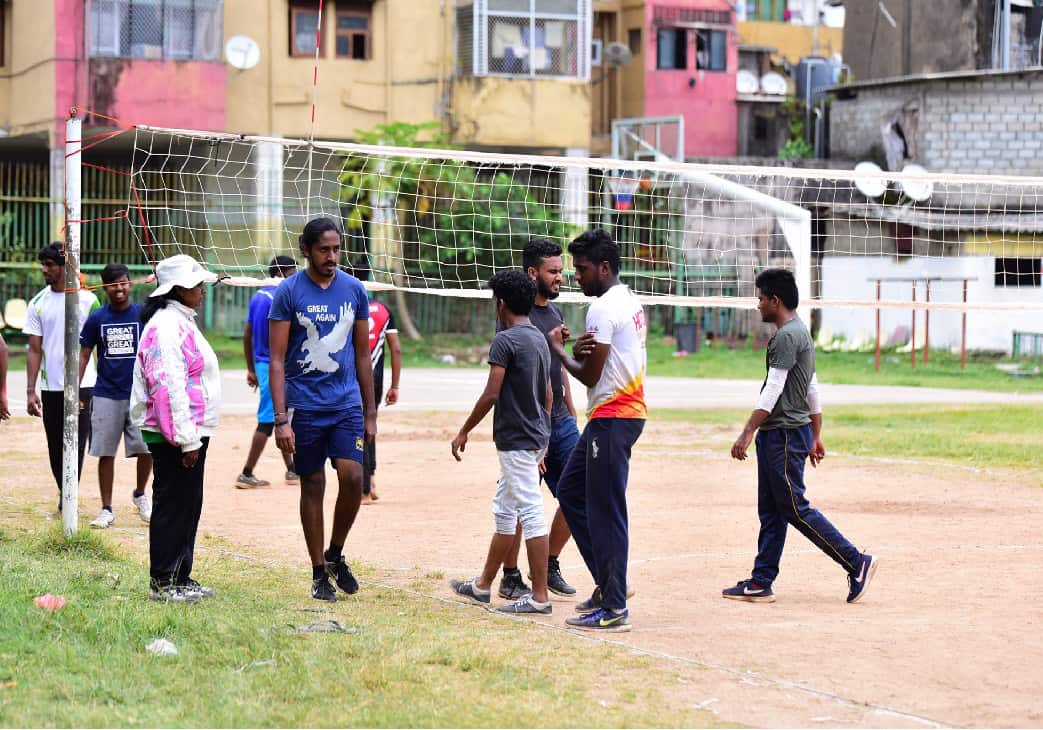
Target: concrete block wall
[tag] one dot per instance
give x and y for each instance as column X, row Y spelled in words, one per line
column 990, row 123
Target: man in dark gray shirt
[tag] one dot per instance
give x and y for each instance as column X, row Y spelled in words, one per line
column 788, row 424
column 519, row 386
column 541, row 260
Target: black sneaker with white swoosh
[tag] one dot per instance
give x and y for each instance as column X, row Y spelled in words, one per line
column 748, row 590
column 858, row 583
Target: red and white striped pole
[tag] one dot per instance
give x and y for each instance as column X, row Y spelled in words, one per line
column 314, row 94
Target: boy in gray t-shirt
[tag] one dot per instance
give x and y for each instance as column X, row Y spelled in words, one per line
column 788, row 424
column 519, row 387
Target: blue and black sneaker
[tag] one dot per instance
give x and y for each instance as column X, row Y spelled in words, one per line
column 591, row 604
column 859, row 582
column 470, row 589
column 602, row 619
column 749, row 590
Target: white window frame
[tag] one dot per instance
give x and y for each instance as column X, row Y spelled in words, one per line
column 584, row 39
column 198, row 43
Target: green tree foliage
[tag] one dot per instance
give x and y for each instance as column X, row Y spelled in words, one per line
column 460, row 221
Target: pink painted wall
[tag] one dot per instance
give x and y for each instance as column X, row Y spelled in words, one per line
column 189, row 94
column 68, row 44
column 709, row 108
column 186, row 94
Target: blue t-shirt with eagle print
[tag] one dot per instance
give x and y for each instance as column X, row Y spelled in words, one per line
column 320, row 355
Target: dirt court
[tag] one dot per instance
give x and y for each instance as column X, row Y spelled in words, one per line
column 949, row 634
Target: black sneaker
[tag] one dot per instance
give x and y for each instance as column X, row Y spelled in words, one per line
column 172, row 594
column 470, row 589
column 512, row 587
column 341, row 573
column 194, row 586
column 322, row 590
column 526, row 604
column 555, row 583
column 859, row 582
column 748, row 590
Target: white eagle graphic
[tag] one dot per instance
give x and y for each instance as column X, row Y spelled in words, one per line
column 318, row 351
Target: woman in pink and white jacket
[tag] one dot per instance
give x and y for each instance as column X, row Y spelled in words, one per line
column 175, row 401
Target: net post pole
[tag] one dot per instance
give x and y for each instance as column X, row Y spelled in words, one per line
column 70, row 423
column 878, row 326
column 963, row 333
column 912, row 338
column 927, row 327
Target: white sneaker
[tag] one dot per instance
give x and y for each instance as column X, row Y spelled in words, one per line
column 144, row 505
column 103, row 520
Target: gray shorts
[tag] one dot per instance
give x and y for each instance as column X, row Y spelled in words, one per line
column 110, row 420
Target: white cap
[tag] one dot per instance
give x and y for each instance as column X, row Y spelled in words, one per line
column 181, row 270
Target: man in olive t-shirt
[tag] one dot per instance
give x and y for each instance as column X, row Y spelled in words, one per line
column 788, row 424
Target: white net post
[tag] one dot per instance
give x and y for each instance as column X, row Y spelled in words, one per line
column 71, row 421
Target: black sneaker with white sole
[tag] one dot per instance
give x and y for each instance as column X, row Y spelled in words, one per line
column 194, row 586
column 858, row 583
column 172, row 594
column 526, row 605
column 322, row 590
column 339, row 571
column 469, row 589
column 749, row 590
column 513, row 587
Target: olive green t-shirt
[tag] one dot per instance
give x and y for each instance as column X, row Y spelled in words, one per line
column 791, row 349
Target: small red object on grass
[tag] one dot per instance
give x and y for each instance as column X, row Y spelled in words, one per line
column 49, row 602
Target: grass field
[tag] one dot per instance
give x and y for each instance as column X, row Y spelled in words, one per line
column 406, row 660
column 847, row 368
column 1004, row 437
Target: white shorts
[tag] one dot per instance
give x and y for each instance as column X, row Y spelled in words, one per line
column 518, row 496
column 110, row 419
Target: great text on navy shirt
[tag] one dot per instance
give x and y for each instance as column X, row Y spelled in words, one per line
column 115, row 335
column 320, row 355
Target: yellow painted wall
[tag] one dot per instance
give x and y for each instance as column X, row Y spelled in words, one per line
column 540, row 113
column 792, row 41
column 27, row 90
column 406, row 79
column 633, row 90
column 402, row 80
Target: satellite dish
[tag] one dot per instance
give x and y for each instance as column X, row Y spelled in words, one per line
column 617, row 54
column 869, row 180
column 242, row 52
column 918, row 190
column 746, row 82
column 774, row 83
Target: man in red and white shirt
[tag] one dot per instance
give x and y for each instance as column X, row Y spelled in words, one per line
column 383, row 334
column 610, row 360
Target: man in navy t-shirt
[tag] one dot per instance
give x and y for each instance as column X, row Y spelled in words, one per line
column 114, row 330
column 255, row 347
column 322, row 390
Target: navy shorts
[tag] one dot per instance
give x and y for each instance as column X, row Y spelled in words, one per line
column 321, row 435
column 563, row 439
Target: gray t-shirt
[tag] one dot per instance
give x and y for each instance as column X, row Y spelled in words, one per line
column 545, row 319
column 791, row 349
column 521, row 421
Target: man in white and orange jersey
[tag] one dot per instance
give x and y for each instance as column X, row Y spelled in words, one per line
column 609, row 358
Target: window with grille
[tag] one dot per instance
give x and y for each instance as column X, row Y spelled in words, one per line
column 353, row 31
column 156, row 29
column 304, row 25
column 549, row 38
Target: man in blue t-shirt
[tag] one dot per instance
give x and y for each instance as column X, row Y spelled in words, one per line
column 322, row 390
column 114, row 330
column 255, row 347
